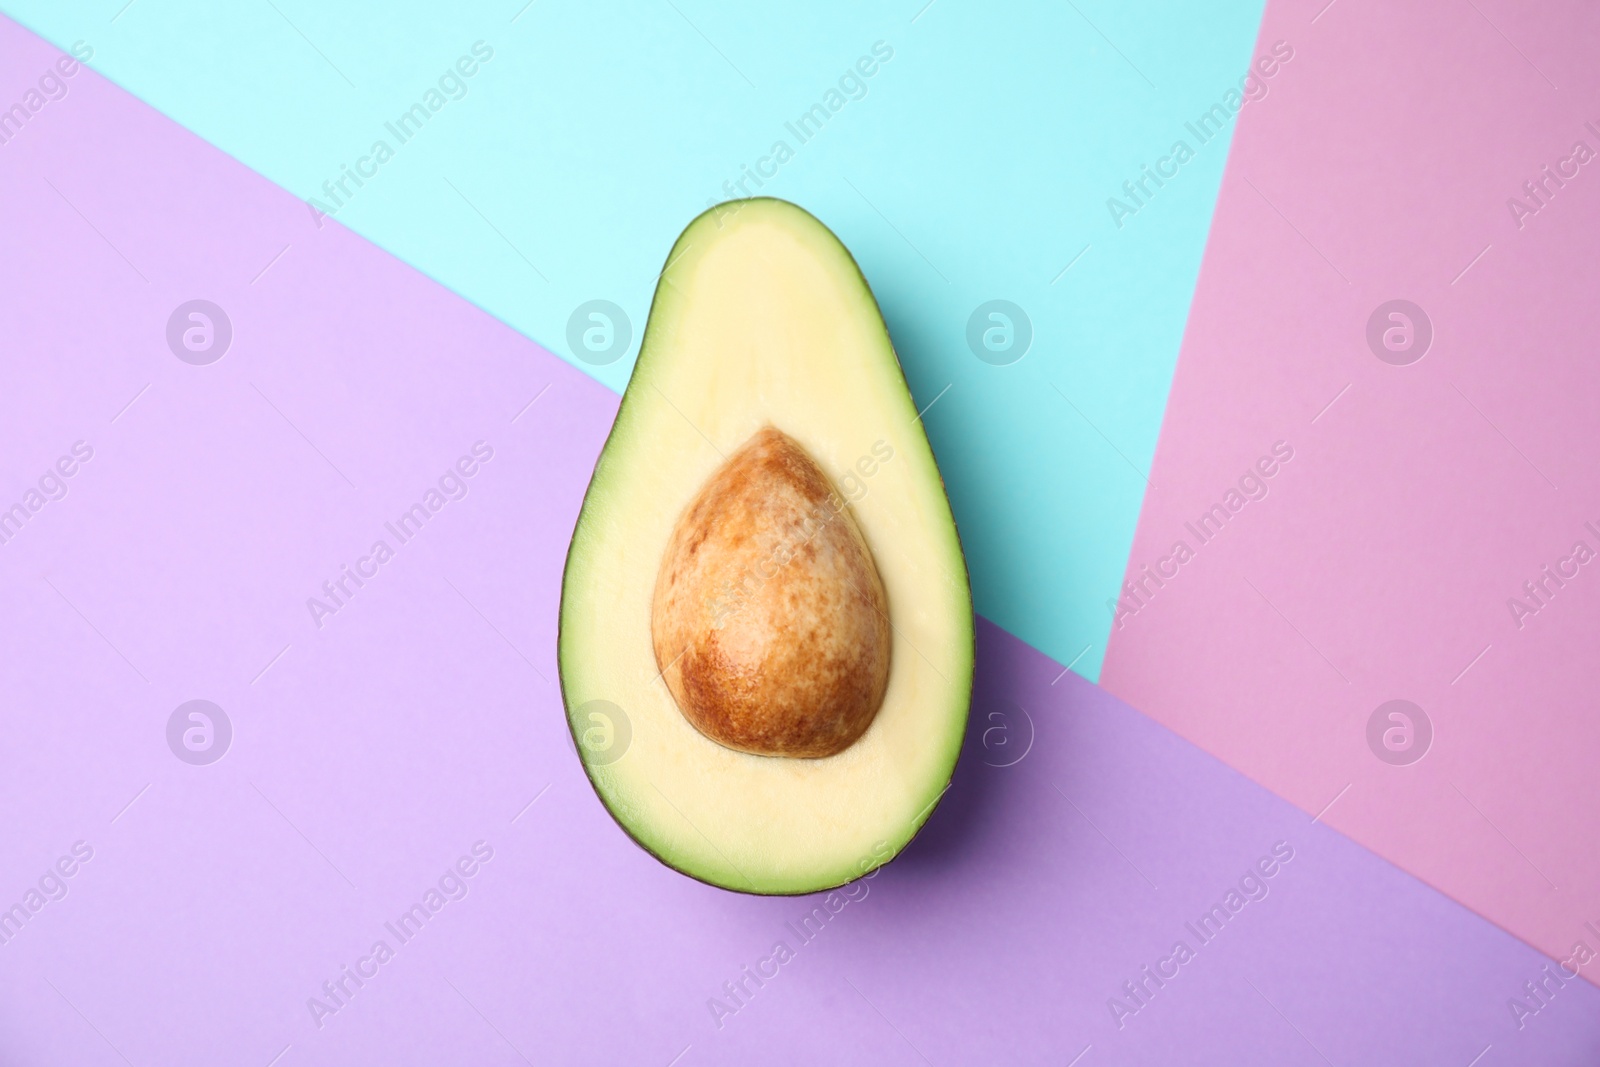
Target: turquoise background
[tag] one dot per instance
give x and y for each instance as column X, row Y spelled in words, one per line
column 976, row 167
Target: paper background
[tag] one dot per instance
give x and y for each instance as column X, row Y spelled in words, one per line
column 1421, row 497
column 369, row 754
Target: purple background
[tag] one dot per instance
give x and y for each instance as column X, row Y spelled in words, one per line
column 369, row 754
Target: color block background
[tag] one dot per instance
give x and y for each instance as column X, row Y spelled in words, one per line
column 976, row 167
column 1421, row 497
column 369, row 754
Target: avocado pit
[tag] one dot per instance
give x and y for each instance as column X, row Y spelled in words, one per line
column 769, row 619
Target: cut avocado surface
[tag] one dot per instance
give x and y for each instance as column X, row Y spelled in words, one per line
column 766, row 536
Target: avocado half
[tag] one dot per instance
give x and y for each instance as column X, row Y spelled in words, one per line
column 761, row 319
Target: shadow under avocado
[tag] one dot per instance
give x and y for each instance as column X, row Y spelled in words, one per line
column 992, row 787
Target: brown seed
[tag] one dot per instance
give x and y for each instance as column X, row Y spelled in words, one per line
column 770, row 622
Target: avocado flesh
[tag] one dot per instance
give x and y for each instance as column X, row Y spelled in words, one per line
column 761, row 318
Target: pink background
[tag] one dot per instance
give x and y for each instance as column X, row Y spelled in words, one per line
column 1420, row 497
